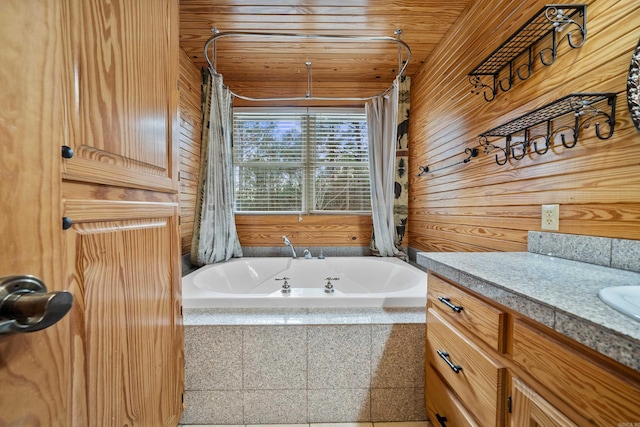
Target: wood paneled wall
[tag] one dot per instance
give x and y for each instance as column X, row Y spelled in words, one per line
column 482, row 206
column 190, row 129
column 312, row 230
column 253, row 230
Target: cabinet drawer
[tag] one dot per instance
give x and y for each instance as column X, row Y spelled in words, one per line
column 471, row 313
column 596, row 393
column 443, row 407
column 475, row 378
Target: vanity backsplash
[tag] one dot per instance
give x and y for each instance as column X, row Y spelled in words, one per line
column 616, row 253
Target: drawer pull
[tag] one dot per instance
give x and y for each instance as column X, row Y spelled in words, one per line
column 445, row 356
column 447, row 302
column 441, row 420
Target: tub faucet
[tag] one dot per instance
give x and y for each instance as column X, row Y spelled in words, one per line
column 287, row 242
column 307, row 254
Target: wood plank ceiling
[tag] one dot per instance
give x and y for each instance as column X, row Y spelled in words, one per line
column 268, row 67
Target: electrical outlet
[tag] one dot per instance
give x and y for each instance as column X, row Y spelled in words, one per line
column 550, row 217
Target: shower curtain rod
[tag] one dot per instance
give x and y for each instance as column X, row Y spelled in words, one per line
column 218, row 35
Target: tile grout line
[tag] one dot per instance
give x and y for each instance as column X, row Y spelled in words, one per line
column 370, row 373
column 306, row 340
column 242, row 391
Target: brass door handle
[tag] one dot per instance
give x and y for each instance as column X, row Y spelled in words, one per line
column 25, row 305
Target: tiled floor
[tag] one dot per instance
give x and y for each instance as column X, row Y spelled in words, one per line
column 399, row 424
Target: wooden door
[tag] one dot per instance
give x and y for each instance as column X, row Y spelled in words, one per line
column 119, row 190
column 106, row 79
column 35, row 368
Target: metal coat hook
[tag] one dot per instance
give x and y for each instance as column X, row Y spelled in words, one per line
column 514, row 58
column 581, row 105
column 471, row 153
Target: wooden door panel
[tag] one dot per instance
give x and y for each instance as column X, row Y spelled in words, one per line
column 127, row 277
column 120, row 192
column 123, row 93
column 531, row 410
column 35, row 368
column 567, row 373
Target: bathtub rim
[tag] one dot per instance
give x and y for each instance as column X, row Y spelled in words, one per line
column 413, row 297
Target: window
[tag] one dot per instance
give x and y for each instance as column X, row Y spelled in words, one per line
column 301, row 160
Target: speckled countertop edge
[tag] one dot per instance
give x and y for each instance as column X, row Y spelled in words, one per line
column 559, row 293
column 303, row 316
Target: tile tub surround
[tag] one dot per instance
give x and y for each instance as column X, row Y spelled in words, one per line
column 560, row 293
column 265, row 366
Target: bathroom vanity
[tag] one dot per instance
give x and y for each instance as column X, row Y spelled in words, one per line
column 519, row 339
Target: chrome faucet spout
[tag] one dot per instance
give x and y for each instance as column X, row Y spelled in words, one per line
column 287, row 242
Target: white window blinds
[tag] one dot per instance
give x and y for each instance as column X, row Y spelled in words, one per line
column 303, row 160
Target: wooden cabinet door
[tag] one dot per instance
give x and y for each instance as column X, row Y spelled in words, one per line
column 531, row 410
column 35, row 368
column 567, row 372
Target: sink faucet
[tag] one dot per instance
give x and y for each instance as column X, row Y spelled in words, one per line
column 287, row 242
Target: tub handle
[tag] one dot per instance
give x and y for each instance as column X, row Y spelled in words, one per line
column 286, row 288
column 447, row 302
column 328, row 288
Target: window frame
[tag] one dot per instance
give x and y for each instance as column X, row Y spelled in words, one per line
column 309, row 164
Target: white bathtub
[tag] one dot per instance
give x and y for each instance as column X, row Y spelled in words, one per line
column 251, row 283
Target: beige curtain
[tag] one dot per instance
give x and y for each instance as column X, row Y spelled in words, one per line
column 387, row 125
column 215, row 237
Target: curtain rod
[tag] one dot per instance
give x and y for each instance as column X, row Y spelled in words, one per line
column 217, row 35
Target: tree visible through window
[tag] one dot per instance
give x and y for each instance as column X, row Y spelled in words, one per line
column 311, row 160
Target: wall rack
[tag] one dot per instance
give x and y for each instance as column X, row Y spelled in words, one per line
column 552, row 20
column 582, row 105
column 470, row 152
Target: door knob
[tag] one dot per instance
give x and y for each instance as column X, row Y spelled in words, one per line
column 25, row 305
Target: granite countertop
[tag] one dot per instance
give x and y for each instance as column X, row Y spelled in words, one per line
column 557, row 292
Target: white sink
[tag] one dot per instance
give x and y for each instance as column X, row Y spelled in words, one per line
column 625, row 299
